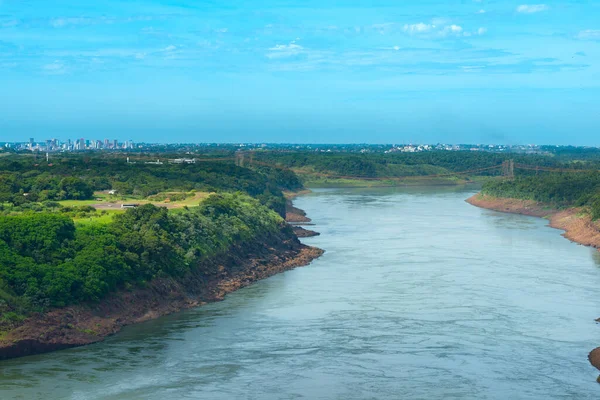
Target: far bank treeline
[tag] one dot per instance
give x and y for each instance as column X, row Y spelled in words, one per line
column 566, row 189
column 380, row 165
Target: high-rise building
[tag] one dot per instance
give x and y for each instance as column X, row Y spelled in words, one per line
column 82, row 144
column 31, row 143
column 115, row 144
column 106, row 143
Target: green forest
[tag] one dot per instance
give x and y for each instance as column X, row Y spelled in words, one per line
column 380, row 165
column 50, row 258
column 29, row 185
column 566, row 189
column 46, row 261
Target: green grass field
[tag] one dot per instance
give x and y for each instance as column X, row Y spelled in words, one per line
column 77, row 203
column 101, row 198
column 101, row 219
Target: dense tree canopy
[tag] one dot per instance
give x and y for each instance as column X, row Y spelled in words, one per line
column 46, row 261
column 23, row 181
column 560, row 189
column 371, row 165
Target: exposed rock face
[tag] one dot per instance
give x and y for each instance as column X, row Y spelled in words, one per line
column 594, row 357
column 84, row 324
column 295, row 215
column 303, row 233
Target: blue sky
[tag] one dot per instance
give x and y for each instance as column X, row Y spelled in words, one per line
column 392, row 71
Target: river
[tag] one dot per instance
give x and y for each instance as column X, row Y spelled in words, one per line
column 419, row 296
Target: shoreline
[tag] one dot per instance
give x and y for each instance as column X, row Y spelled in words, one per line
column 80, row 325
column 341, row 184
column 577, row 226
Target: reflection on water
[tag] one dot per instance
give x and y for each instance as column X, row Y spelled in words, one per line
column 595, row 256
column 419, row 295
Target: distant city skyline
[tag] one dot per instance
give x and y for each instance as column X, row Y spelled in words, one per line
column 384, row 71
column 55, row 144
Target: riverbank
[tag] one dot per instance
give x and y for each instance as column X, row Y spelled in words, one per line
column 577, row 225
column 84, row 324
column 338, row 183
column 304, row 233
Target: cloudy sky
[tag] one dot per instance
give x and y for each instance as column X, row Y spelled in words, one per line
column 391, row 71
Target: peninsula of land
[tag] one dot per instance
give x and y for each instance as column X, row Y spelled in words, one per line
column 242, row 264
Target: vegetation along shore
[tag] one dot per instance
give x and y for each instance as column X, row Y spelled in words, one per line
column 72, row 274
column 93, row 242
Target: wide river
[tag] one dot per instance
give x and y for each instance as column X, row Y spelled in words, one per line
column 419, row 296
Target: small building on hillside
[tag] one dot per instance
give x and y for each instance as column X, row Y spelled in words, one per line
column 183, row 161
column 129, row 205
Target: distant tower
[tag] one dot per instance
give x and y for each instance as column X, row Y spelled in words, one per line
column 239, row 158
column 508, row 169
column 47, row 157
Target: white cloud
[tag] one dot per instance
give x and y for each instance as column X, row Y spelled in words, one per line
column 285, row 50
column 437, row 30
column 286, row 47
column 170, row 48
column 454, row 29
column 414, row 29
column 62, row 22
column 589, row 34
column 383, row 28
column 482, row 11
column 531, row 8
column 55, row 68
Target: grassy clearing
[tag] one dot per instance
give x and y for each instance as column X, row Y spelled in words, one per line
column 77, row 203
column 192, row 200
column 101, row 219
